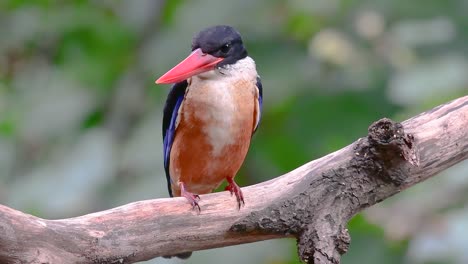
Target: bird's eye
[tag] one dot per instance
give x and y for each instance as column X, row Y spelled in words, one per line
column 225, row 48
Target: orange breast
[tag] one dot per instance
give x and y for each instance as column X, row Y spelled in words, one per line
column 213, row 135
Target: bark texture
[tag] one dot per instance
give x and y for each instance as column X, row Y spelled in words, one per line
column 312, row 203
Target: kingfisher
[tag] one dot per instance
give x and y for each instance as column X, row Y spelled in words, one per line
column 211, row 113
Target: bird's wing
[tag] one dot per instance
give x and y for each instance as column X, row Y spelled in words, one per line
column 258, row 105
column 171, row 110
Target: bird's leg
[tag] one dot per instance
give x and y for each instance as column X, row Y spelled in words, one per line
column 192, row 198
column 233, row 188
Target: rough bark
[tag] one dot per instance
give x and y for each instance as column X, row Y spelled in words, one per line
column 312, row 203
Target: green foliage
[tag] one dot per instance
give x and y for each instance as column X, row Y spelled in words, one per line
column 96, row 48
column 169, row 11
column 94, row 119
column 7, row 127
column 302, row 26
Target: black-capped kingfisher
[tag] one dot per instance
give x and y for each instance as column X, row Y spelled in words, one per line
column 211, row 113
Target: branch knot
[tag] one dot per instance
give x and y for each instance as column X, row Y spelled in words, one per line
column 384, row 149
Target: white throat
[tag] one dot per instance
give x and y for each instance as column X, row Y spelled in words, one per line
column 242, row 69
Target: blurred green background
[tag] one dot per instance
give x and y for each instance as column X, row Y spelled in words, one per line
column 80, row 115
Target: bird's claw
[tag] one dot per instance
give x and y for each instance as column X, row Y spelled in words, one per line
column 192, row 198
column 233, row 188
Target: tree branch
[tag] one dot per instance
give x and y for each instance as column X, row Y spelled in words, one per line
column 312, row 203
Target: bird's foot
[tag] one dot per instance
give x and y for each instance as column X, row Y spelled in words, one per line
column 192, row 198
column 233, row 188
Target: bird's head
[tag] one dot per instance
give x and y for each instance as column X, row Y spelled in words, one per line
column 212, row 48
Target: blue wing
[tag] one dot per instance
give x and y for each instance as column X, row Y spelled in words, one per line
column 171, row 109
column 260, row 102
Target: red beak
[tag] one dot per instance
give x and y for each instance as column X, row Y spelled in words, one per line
column 197, row 62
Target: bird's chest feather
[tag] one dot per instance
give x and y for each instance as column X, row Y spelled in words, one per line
column 221, row 112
